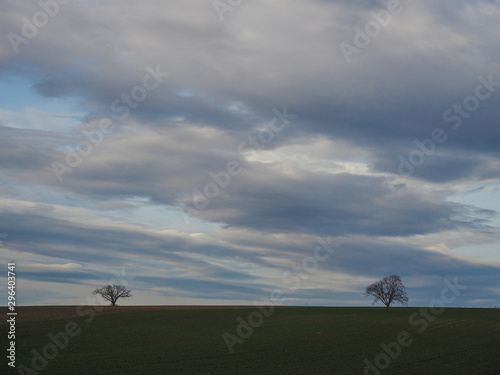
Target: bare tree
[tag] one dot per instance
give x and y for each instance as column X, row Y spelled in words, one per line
column 112, row 293
column 388, row 290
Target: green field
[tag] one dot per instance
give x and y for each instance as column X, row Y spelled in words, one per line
column 295, row 340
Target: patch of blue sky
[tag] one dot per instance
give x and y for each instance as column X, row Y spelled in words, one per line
column 185, row 93
column 486, row 197
column 141, row 212
column 22, row 108
column 39, row 194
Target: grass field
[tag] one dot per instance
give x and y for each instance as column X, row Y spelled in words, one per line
column 293, row 340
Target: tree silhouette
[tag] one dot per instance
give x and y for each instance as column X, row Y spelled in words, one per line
column 112, row 293
column 388, row 290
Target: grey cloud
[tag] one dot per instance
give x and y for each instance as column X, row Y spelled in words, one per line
column 165, row 167
column 224, row 80
column 175, row 264
column 338, row 205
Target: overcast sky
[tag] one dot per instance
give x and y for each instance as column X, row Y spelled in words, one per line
column 206, row 153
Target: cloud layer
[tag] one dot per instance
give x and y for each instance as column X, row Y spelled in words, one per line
column 208, row 156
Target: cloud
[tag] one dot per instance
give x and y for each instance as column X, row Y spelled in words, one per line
column 227, row 265
column 332, row 171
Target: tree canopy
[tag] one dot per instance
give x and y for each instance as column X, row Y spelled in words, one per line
column 112, row 293
column 388, row 290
